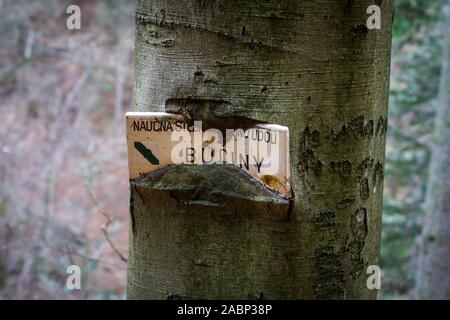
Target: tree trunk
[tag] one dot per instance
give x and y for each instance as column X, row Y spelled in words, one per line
column 433, row 280
column 310, row 65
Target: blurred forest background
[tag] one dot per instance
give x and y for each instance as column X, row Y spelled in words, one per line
column 63, row 165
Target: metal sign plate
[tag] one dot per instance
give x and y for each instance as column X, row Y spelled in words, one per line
column 158, row 139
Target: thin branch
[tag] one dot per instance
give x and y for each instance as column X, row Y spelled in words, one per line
column 105, row 227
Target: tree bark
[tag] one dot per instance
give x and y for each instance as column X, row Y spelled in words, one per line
column 310, row 65
column 433, row 280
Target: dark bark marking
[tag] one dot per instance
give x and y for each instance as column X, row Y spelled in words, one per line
column 378, row 174
column 210, row 81
column 164, row 42
column 343, row 168
column 363, row 172
column 203, row 5
column 382, row 126
column 364, row 189
column 342, row 135
column 359, row 32
column 308, row 162
column 357, row 128
column 221, row 63
column 172, row 296
column 330, row 279
column 361, row 223
column 132, row 218
column 350, row 3
column 368, row 129
column 315, row 138
column 200, row 263
column 359, row 231
column 324, row 220
column 364, row 168
column 198, row 72
column 291, row 206
column 163, row 16
column 345, row 203
column 253, row 44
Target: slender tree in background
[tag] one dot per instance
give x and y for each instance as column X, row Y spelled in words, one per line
column 414, row 88
column 433, row 281
column 210, row 232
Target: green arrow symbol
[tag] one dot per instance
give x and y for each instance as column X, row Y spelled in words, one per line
column 147, row 153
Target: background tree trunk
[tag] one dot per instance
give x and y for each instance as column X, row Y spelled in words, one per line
column 433, row 280
column 310, row 65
